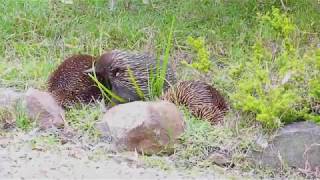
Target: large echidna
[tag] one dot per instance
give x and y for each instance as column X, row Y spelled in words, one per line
column 126, row 72
column 203, row 100
column 69, row 84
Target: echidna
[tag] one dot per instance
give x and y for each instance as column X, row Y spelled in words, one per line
column 203, row 100
column 69, row 84
column 127, row 72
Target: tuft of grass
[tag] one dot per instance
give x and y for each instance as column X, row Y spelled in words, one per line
column 83, row 119
column 157, row 80
column 156, row 162
column 22, row 120
column 163, row 69
column 200, row 140
column 6, row 118
column 45, row 142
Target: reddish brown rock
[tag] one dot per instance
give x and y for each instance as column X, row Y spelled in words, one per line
column 43, row 108
column 148, row 127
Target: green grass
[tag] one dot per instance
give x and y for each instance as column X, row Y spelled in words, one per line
column 22, row 120
column 37, row 35
column 83, row 119
column 44, row 142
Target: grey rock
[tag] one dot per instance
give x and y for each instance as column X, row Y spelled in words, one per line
column 219, row 159
column 295, row 145
column 43, row 108
column 9, row 97
column 148, row 127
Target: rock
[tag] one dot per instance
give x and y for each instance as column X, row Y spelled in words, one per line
column 148, row 127
column 9, row 97
column 43, row 108
column 219, row 159
column 295, row 145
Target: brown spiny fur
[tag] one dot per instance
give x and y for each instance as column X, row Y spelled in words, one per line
column 113, row 66
column 203, row 100
column 69, row 84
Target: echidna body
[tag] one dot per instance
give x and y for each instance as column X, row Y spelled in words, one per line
column 69, row 84
column 203, row 100
column 121, row 69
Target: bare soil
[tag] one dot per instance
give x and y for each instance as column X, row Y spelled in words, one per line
column 26, row 156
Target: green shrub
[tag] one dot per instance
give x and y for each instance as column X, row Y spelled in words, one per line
column 273, row 85
column 275, row 81
column 202, row 62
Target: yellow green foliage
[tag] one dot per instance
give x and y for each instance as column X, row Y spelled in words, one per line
column 278, row 21
column 273, row 86
column 202, row 62
column 315, row 81
column 275, row 82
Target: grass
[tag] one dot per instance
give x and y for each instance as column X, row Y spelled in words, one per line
column 22, row 120
column 44, row 142
column 37, row 35
column 83, row 118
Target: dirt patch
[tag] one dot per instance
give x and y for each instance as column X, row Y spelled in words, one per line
column 41, row 156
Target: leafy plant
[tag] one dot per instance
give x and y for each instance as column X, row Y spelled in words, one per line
column 272, row 85
column 202, row 62
column 83, row 119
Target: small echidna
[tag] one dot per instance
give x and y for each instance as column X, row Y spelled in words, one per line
column 127, row 72
column 69, row 84
column 203, row 100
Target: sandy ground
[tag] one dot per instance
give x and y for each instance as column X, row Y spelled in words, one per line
column 23, row 157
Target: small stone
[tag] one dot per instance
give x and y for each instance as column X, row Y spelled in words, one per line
column 147, row 127
column 76, row 153
column 295, row 145
column 67, row 134
column 41, row 106
column 219, row 159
